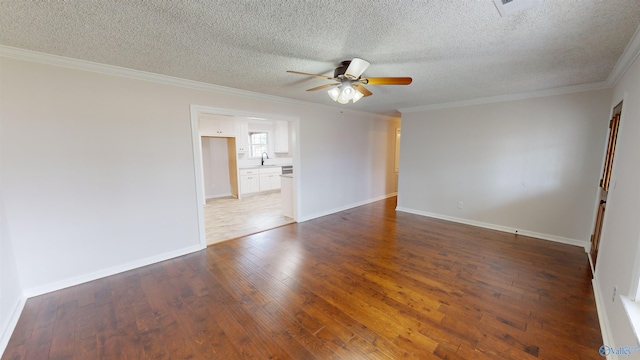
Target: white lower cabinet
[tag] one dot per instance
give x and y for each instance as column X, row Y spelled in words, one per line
column 259, row 179
column 249, row 184
column 249, row 181
column 269, row 182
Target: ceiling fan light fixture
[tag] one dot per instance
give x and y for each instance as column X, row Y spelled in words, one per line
column 346, row 94
column 334, row 93
column 357, row 96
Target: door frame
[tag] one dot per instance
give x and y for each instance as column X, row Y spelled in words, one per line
column 197, row 158
column 599, row 221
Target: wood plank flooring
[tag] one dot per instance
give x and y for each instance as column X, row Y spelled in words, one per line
column 230, row 218
column 367, row 283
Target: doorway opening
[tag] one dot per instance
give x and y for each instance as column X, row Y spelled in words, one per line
column 614, row 124
column 239, row 159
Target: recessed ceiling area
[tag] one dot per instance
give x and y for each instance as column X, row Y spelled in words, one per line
column 453, row 50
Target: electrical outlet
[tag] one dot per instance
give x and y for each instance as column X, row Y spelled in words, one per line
column 460, row 204
column 615, row 290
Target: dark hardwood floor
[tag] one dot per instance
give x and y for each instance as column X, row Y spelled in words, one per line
column 367, row 283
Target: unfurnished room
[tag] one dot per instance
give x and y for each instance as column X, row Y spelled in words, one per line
column 320, row 179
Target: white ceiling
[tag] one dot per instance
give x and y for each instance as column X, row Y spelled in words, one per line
column 454, row 50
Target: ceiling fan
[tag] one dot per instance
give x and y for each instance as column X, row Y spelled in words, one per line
column 349, row 85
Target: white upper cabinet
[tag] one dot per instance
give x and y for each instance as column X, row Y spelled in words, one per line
column 242, row 136
column 227, row 127
column 216, row 125
column 281, row 136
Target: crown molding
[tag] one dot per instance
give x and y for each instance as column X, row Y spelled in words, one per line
column 629, row 55
column 77, row 64
column 83, row 65
column 631, row 52
column 510, row 97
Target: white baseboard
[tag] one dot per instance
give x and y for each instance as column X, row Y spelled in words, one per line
column 218, row 196
column 109, row 271
column 607, row 337
column 507, row 229
column 346, row 207
column 7, row 330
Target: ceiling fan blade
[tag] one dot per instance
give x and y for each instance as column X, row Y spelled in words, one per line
column 363, row 90
column 307, row 74
column 387, row 81
column 323, row 87
column 356, row 68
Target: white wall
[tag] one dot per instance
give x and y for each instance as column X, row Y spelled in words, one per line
column 101, row 176
column 531, row 165
column 618, row 258
column 215, row 161
column 345, row 150
column 97, row 173
column 11, row 294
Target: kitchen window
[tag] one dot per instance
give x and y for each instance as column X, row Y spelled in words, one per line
column 258, row 143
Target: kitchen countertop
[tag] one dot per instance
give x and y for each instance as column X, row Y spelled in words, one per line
column 261, row 166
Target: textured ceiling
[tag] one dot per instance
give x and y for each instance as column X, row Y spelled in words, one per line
column 454, row 50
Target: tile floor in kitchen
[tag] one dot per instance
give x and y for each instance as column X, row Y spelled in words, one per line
column 230, row 218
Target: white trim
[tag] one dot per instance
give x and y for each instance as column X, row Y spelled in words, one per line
column 510, row 97
column 627, row 58
column 346, row 207
column 196, row 146
column 7, row 331
column 219, row 196
column 630, row 53
column 634, row 288
column 76, row 280
column 240, row 113
column 77, row 64
column 632, row 309
column 607, row 337
column 559, row 239
column 297, row 170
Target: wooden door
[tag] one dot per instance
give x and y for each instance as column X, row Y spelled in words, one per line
column 605, row 182
column 595, row 238
column 611, row 150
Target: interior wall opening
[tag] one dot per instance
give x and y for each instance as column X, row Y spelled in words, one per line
column 245, row 169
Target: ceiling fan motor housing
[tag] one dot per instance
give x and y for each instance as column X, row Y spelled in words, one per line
column 340, row 70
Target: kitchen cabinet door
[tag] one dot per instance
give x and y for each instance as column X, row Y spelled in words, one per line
column 269, row 182
column 215, row 125
column 281, row 135
column 249, row 184
column 226, row 128
column 242, row 137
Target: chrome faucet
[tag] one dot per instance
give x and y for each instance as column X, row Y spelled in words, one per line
column 263, row 154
